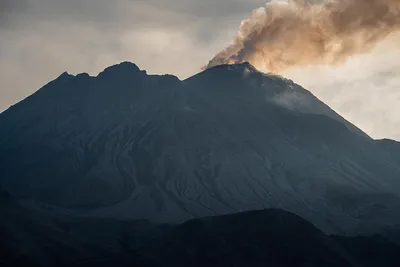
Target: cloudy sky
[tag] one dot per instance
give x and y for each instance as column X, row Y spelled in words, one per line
column 40, row 39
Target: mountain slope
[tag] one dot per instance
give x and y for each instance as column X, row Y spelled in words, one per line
column 392, row 147
column 126, row 144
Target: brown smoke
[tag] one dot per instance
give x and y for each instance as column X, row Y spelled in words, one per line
column 298, row 33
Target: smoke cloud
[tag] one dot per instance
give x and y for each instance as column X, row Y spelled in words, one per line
column 286, row 34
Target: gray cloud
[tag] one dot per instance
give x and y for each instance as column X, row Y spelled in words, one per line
column 102, row 13
column 208, row 8
column 9, row 9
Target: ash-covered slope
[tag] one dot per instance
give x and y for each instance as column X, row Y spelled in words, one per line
column 392, row 147
column 126, row 144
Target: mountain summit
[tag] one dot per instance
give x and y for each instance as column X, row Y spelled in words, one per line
column 126, row 144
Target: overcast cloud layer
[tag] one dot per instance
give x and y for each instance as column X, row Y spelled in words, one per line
column 42, row 38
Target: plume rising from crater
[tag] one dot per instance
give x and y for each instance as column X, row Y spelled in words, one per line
column 285, row 34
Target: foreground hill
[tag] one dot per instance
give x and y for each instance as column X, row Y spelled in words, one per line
column 256, row 238
column 129, row 145
column 29, row 239
column 263, row 238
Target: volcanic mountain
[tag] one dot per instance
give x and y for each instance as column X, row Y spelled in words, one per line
column 125, row 144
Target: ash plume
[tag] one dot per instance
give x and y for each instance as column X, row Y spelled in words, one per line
column 285, row 34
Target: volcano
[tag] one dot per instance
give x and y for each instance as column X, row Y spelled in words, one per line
column 129, row 145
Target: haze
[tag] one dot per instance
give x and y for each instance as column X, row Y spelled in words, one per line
column 42, row 38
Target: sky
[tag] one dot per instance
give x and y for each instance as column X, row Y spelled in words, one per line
column 40, row 39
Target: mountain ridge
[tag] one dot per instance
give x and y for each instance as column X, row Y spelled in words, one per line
column 126, row 144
